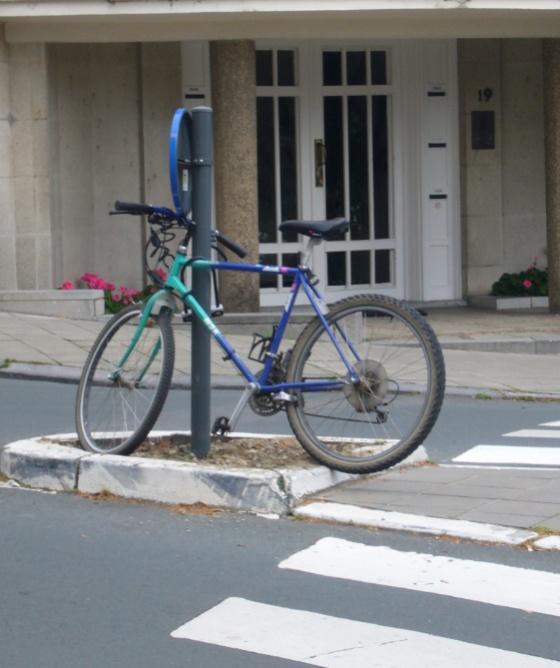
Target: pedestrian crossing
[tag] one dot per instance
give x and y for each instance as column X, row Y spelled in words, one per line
column 313, row 638
column 515, row 456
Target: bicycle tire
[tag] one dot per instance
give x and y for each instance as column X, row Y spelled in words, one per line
column 114, row 416
column 406, row 383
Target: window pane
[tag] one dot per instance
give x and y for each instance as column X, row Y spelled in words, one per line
column 264, row 68
column 383, row 266
column 286, row 68
column 289, row 260
column 334, row 169
column 266, row 176
column 356, row 68
column 288, row 163
column 380, row 167
column 358, row 166
column 332, row 68
column 360, row 267
column 268, row 280
column 336, row 268
column 378, row 68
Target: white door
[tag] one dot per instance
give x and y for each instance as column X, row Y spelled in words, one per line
column 353, row 129
column 325, row 123
column 354, row 138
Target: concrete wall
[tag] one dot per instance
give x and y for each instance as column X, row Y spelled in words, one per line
column 503, row 193
column 161, row 95
column 111, row 109
column 7, row 221
column 25, row 227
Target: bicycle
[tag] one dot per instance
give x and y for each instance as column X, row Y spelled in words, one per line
column 362, row 386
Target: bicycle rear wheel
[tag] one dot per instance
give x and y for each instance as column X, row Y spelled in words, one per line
column 378, row 420
column 117, row 406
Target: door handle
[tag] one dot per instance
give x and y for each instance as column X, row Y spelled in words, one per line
column 320, row 161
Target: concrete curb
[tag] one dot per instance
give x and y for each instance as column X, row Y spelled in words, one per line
column 548, row 543
column 49, row 464
column 43, row 464
column 530, row 345
column 436, row 526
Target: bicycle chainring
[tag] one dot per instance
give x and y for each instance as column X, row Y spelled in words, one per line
column 264, row 404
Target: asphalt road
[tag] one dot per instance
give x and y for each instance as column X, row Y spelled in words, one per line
column 105, row 583
column 32, row 408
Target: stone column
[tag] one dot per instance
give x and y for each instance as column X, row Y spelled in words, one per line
column 551, row 85
column 235, row 159
column 7, row 222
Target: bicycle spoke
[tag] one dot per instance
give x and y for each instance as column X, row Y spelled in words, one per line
column 360, row 424
column 114, row 416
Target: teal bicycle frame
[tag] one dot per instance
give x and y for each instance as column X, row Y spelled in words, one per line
column 174, row 286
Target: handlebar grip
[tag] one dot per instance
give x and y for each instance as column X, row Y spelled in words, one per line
column 232, row 245
column 134, row 208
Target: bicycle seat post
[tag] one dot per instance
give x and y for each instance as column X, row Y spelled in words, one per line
column 307, row 252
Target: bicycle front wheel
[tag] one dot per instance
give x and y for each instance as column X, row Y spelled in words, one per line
column 118, row 402
column 373, row 411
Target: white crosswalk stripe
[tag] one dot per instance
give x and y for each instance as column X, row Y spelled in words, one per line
column 514, row 456
column 534, row 433
column 333, row 642
column 510, row 454
column 520, row 588
column 318, row 639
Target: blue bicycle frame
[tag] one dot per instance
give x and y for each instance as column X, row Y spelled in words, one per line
column 259, row 383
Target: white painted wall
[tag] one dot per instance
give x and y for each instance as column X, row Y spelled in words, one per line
column 155, row 20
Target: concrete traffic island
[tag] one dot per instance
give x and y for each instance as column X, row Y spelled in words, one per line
column 53, row 463
column 50, row 462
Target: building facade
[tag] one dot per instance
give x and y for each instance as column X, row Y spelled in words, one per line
column 421, row 122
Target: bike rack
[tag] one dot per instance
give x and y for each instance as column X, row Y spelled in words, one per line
column 191, row 155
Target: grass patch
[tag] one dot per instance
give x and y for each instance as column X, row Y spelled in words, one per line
column 544, row 531
column 483, row 396
column 535, row 398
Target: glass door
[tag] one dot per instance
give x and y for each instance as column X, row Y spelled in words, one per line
column 325, row 144
column 354, row 168
column 278, row 142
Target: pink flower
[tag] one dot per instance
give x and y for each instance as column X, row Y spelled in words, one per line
column 116, row 296
column 527, row 283
column 67, row 285
column 160, row 273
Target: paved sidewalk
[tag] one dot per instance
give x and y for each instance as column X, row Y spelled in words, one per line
column 484, row 351
column 504, row 353
column 519, row 498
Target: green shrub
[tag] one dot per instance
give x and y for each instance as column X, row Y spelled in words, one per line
column 532, row 282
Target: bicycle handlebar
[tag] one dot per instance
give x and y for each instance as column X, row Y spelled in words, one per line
column 138, row 209
column 134, row 208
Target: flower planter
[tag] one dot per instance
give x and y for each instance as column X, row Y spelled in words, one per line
column 507, row 303
column 86, row 304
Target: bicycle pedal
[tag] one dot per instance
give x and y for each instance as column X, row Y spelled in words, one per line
column 221, row 426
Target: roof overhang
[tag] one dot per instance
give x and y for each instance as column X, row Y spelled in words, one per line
column 172, row 20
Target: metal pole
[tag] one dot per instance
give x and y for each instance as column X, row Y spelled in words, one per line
column 202, row 155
